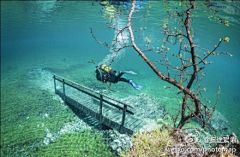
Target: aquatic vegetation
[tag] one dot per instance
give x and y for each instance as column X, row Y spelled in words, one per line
column 226, row 39
column 77, row 144
column 118, row 143
column 151, row 143
column 166, row 141
column 148, row 40
column 165, row 25
column 226, row 22
column 29, row 117
column 180, row 55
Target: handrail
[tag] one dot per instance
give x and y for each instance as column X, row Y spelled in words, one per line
column 73, row 84
column 94, row 91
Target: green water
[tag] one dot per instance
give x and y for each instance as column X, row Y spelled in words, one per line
column 39, row 38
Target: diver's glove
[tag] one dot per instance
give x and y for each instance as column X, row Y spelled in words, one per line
column 128, row 72
column 138, row 87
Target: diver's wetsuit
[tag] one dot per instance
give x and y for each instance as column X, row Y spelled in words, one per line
column 109, row 77
column 106, row 74
column 115, row 79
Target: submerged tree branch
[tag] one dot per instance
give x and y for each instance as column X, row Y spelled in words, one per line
column 161, row 76
column 186, row 90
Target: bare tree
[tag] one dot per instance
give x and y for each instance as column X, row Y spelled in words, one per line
column 193, row 59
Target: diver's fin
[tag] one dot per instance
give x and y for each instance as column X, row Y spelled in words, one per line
column 138, row 87
column 129, row 72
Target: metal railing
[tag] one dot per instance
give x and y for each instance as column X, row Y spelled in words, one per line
column 90, row 92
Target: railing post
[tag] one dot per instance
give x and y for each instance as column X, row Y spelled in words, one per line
column 90, row 92
column 64, row 95
column 54, row 83
column 100, row 110
column 123, row 118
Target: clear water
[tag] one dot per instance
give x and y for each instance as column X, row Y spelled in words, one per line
column 39, row 38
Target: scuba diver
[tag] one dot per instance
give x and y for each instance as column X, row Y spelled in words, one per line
column 106, row 74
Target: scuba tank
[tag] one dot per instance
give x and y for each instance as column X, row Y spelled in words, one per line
column 105, row 68
column 103, row 73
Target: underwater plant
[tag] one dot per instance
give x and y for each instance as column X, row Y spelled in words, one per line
column 188, row 74
column 76, row 144
column 152, row 143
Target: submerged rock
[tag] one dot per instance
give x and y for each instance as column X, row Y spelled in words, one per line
column 50, row 137
column 219, row 123
column 118, row 143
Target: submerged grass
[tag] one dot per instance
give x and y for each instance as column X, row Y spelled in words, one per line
column 29, row 113
column 165, row 142
column 77, row 144
column 151, row 143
